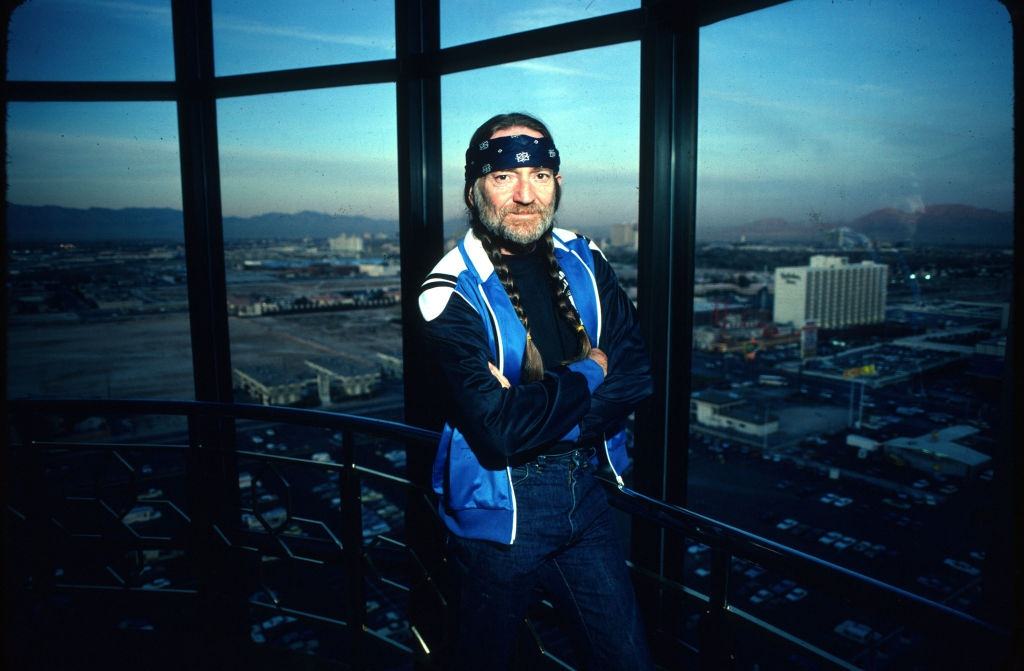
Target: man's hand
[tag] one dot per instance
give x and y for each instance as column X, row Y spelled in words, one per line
column 502, row 380
column 601, row 358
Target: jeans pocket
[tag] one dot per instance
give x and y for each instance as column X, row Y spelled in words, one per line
column 519, row 473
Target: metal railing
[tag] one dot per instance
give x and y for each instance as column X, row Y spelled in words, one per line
column 980, row 640
column 210, row 530
column 216, row 543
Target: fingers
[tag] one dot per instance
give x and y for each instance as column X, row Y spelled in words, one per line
column 600, row 358
column 502, row 380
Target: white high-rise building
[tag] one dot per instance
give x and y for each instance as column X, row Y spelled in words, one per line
column 831, row 292
column 624, row 235
column 347, row 244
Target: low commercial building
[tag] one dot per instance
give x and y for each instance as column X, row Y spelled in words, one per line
column 390, row 366
column 941, row 452
column 730, row 411
column 340, row 378
column 275, row 386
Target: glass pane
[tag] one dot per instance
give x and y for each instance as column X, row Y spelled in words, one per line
column 853, row 272
column 464, row 21
column 311, row 247
column 256, row 36
column 98, row 303
column 591, row 102
column 69, row 40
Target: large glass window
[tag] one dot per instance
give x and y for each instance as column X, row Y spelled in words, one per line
column 98, row 303
column 589, row 99
column 255, row 36
column 310, row 201
column 468, row 21
column 66, row 40
column 311, row 248
column 853, row 272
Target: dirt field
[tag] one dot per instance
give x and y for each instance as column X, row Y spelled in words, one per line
column 151, row 356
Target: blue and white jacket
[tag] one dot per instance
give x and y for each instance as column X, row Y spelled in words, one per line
column 470, row 321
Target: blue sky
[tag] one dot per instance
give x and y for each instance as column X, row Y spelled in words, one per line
column 840, row 108
column 837, row 108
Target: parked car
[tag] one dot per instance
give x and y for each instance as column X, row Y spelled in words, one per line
column 830, row 538
column 934, row 583
column 159, row 583
column 844, row 542
column 962, row 566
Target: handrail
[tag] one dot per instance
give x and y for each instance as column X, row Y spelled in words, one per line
column 814, row 570
column 724, row 539
column 271, row 413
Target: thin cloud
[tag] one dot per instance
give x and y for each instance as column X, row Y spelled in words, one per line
column 49, row 144
column 554, row 13
column 547, row 68
column 847, row 87
column 248, row 27
column 157, row 12
column 383, row 44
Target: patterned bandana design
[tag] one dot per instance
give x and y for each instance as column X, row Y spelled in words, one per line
column 509, row 152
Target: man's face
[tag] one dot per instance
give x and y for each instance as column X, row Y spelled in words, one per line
column 517, row 205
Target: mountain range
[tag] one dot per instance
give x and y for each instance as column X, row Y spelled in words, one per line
column 934, row 225
column 951, row 225
column 49, row 223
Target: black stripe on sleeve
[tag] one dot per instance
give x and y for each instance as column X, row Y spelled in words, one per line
column 436, row 283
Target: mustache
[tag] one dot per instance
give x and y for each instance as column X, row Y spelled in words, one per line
column 533, row 208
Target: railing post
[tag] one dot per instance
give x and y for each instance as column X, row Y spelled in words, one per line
column 668, row 134
column 352, row 543
column 421, row 233
column 715, row 639
column 37, row 513
column 212, row 486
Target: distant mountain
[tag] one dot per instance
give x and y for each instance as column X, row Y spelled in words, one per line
column 49, row 223
column 306, row 224
column 887, row 225
column 935, row 225
column 939, row 225
column 951, row 225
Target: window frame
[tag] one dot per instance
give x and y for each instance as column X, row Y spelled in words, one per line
column 669, row 38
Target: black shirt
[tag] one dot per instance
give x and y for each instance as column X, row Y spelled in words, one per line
column 551, row 333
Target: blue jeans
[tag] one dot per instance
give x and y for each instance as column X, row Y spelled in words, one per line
column 566, row 543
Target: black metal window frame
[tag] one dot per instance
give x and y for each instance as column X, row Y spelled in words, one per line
column 669, row 34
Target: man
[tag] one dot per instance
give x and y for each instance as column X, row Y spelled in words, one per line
column 540, row 353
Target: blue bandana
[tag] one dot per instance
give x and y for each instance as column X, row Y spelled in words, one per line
column 509, row 152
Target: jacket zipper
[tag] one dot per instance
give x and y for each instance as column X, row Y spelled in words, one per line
column 515, row 508
column 608, row 458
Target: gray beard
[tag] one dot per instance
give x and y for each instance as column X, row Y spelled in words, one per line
column 493, row 221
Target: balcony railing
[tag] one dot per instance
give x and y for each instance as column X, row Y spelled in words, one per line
column 94, row 516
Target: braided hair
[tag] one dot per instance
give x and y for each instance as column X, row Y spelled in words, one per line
column 533, row 364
